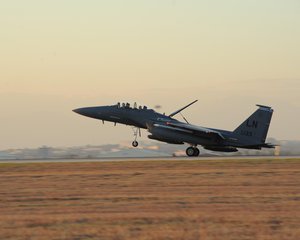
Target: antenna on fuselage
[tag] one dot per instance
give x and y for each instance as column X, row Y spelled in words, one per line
column 184, row 118
column 181, row 109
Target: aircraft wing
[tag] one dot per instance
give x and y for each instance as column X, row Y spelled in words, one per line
column 201, row 131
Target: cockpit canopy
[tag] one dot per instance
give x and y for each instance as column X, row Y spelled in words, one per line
column 128, row 106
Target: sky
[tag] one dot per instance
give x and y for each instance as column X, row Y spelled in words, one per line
column 230, row 55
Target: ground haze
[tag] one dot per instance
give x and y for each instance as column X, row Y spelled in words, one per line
column 216, row 199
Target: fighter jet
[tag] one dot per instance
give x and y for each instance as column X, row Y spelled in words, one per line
column 251, row 134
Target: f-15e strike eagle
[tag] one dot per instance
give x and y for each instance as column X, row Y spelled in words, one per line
column 251, row 134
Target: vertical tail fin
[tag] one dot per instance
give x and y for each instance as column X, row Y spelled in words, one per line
column 255, row 128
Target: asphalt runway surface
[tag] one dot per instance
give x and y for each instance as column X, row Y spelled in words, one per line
column 145, row 159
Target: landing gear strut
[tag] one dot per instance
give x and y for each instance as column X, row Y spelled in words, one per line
column 192, row 152
column 136, row 133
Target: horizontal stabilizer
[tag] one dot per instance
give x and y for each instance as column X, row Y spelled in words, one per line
column 269, row 145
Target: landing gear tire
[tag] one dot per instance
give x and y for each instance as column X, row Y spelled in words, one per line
column 192, row 152
column 197, row 152
column 135, row 143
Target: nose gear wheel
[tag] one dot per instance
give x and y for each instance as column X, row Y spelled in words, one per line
column 135, row 143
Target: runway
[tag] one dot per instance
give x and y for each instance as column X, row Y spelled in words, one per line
column 147, row 159
column 130, row 198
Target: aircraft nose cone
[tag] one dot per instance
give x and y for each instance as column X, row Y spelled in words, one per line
column 92, row 112
column 82, row 111
column 78, row 110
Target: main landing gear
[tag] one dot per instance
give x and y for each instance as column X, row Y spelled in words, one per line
column 136, row 133
column 192, row 151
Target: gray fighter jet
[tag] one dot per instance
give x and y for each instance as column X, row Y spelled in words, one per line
column 251, row 134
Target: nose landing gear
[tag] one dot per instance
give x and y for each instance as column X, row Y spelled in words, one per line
column 136, row 133
column 192, row 151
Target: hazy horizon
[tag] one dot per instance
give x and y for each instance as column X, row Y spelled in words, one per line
column 60, row 55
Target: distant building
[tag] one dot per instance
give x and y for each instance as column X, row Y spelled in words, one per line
column 277, row 151
column 6, row 156
column 44, row 152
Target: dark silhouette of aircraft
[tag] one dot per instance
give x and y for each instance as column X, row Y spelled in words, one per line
column 251, row 134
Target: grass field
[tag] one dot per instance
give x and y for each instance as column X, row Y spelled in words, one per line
column 216, row 199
